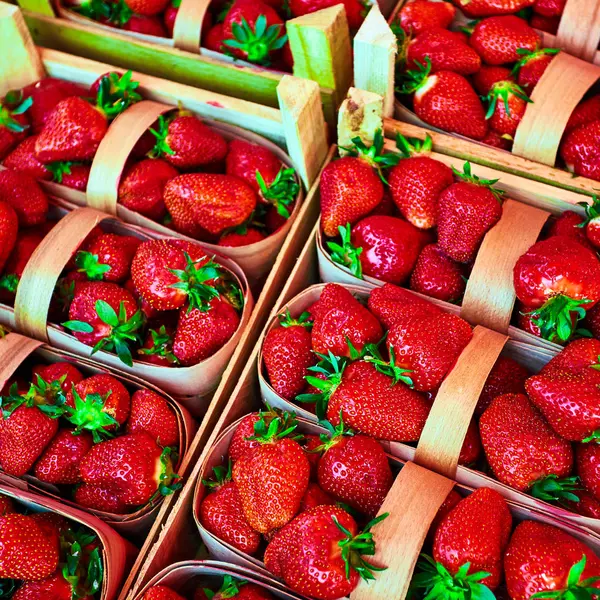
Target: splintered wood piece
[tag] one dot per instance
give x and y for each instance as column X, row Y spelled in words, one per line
column 446, row 427
column 579, row 29
column 188, row 24
column 14, row 349
column 361, row 115
column 490, row 295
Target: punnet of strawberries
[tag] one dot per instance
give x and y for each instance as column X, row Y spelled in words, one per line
column 475, row 77
column 182, row 173
column 91, row 439
column 310, row 520
column 44, row 556
column 231, row 587
column 408, row 219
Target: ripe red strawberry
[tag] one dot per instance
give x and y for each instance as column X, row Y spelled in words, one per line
column 444, row 51
column 486, row 8
column 9, row 227
column 559, row 279
column 170, row 15
column 591, row 223
column 222, row 514
column 543, row 558
column 355, row 9
column 549, row 8
column 314, row 497
column 420, row 15
column 586, row 505
column 237, row 240
column 161, row 592
column 104, row 498
column 147, row 8
column 417, row 181
column 580, row 149
column 105, row 316
column 507, row 104
column 75, row 128
column 287, row 354
column 14, row 121
column 146, row 25
column 588, row 467
column 271, row 478
column 497, row 141
column 585, row 112
column 306, row 553
column 452, row 499
column 570, row 224
column 532, row 65
column 149, row 311
column 141, row 189
column 351, row 187
column 25, row 551
column 548, row 24
column 471, row 449
column 202, row 332
column 354, row 469
column 23, row 158
column 158, row 347
column 506, row 377
column 108, row 257
column 437, row 275
column 487, row 76
column 186, row 142
column 23, row 193
column 240, row 442
column 446, row 100
column 521, row 448
column 151, row 413
column 498, row 40
column 253, row 31
column 215, row 38
column 134, row 464
column 340, row 320
column 59, row 464
column 200, row 202
column 460, row 550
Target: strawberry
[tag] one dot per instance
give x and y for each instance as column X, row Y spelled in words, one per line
column 452, row 499
column 287, row 354
column 591, row 223
column 506, row 377
column 134, row 464
column 586, row 504
column 566, row 391
column 151, row 413
column 351, row 186
column 307, row 553
column 588, row 467
column 237, row 240
column 271, row 478
column 487, row 76
column 142, row 186
column 342, row 321
column 158, row 347
column 6, row 506
column 559, row 279
column 253, row 31
column 437, row 275
column 531, row 66
column 23, row 193
column 205, row 202
column 549, row 8
column 147, row 8
column 446, row 100
column 486, row 8
column 462, row 557
column 222, row 514
column 215, row 39
column 585, row 112
column 145, row 25
column 570, row 224
column 471, row 449
column 498, row 40
column 241, row 442
column 417, row 181
column 236, row 588
column 355, row 9
column 75, row 128
column 522, row 449
column 59, row 464
column 9, row 227
column 186, row 142
column 314, row 497
column 108, row 257
column 548, row 24
column 25, row 550
column 444, row 51
column 161, row 592
column 106, row 499
column 542, row 558
column 507, row 104
column 14, row 121
column 420, row 15
column 23, row 158
column 105, row 316
column 580, row 149
column 354, row 469
column 202, row 332
column 504, row 142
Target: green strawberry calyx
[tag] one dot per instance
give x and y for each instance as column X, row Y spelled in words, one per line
column 577, row 589
column 346, row 254
column 168, row 480
column 197, row 280
column 7, row 113
column 97, row 10
column 47, row 397
column 414, row 79
column 61, row 168
column 221, row 476
column 502, row 91
column 282, row 192
column 402, row 41
column 9, row 282
column 83, row 568
column 354, row 547
column 231, row 291
column 117, row 93
column 411, row 146
column 529, row 55
column 333, row 435
column 161, row 147
column 558, row 317
column 123, row 331
column 554, row 489
column 331, row 368
column 162, row 345
column 90, row 265
column 592, row 211
column 282, row 426
column 390, row 368
column 257, row 43
column 89, row 414
column 230, row 588
column 438, row 583
column 304, row 320
column 468, row 176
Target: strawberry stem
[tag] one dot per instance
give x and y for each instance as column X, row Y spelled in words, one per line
column 88, row 414
column 278, row 428
column 60, row 168
column 389, row 368
column 346, row 254
column 467, row 175
column 553, row 489
column 558, row 317
column 257, row 44
column 7, row 113
column 162, row 345
column 230, row 588
column 90, row 265
column 410, row 146
column 576, row 587
column 282, row 192
column 503, row 90
column 529, row 55
column 304, row 320
column 116, row 93
column 592, row 211
column 222, row 476
column 194, row 281
column 415, row 79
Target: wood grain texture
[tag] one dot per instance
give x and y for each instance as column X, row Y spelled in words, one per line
column 579, row 29
column 361, row 115
column 14, row 349
column 490, row 295
column 188, row 24
column 446, row 427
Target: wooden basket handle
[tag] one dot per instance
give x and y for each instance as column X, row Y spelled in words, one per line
column 412, row 504
column 490, row 295
column 14, row 349
column 41, row 273
column 188, row 24
column 579, row 29
column 446, row 427
column 558, row 92
column 114, row 150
